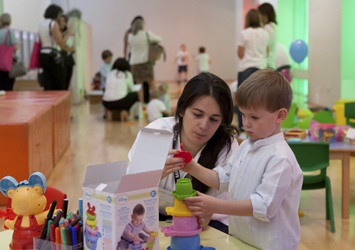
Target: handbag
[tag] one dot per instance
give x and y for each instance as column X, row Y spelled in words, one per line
column 34, row 59
column 155, row 50
column 6, row 54
column 17, row 70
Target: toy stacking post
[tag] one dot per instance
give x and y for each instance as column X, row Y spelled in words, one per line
column 185, row 230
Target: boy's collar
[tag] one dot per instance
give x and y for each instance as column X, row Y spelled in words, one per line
column 268, row 140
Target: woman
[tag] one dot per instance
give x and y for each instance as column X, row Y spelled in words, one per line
column 7, row 83
column 68, row 58
column 203, row 124
column 268, row 17
column 50, row 60
column 252, row 50
column 119, row 92
column 142, row 70
column 126, row 53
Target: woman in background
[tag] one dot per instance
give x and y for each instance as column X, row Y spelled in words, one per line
column 7, row 83
column 252, row 50
column 119, row 92
column 268, row 17
column 142, row 69
column 50, row 59
column 68, row 57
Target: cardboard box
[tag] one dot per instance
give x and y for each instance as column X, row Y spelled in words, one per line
column 111, row 193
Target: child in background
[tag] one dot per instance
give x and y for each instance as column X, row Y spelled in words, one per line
column 182, row 59
column 164, row 96
column 132, row 233
column 203, row 60
column 156, row 108
column 106, row 56
column 263, row 178
column 96, row 82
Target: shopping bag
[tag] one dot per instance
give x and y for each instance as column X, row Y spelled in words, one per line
column 155, row 51
column 17, row 70
column 34, row 59
column 6, row 55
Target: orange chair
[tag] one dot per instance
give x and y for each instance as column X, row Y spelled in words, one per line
column 51, row 194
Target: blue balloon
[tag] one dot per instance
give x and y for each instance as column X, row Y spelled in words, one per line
column 298, row 50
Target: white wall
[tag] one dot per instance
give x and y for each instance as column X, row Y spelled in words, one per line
column 197, row 23
column 324, row 51
column 25, row 14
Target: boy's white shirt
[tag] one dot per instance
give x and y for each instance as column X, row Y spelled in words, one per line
column 154, row 109
column 267, row 173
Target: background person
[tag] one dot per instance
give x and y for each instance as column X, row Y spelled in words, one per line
column 252, row 50
column 142, row 69
column 268, row 17
column 120, row 93
column 68, row 57
column 50, row 59
column 7, row 83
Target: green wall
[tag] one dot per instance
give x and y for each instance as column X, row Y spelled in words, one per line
column 292, row 17
column 347, row 53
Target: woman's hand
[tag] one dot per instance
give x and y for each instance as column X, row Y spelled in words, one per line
column 172, row 164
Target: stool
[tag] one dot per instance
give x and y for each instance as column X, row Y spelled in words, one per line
column 117, row 115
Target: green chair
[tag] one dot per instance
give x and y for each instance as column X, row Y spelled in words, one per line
column 314, row 156
column 324, row 116
column 349, row 108
column 291, row 117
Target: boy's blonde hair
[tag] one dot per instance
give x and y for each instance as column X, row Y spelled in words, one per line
column 164, row 88
column 266, row 89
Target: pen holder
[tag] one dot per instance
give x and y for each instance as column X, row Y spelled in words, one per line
column 39, row 244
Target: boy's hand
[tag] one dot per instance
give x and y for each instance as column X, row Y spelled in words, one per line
column 202, row 206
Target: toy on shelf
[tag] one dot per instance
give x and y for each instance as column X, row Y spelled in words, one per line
column 185, row 229
column 91, row 231
column 27, row 204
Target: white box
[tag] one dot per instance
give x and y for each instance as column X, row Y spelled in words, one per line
column 110, row 194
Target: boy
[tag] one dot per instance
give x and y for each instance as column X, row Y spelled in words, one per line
column 182, row 59
column 132, row 235
column 106, row 56
column 264, row 177
column 156, row 108
column 203, row 60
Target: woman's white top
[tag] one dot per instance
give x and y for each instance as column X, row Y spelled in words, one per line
column 139, row 46
column 118, row 85
column 267, row 173
column 167, row 185
column 271, row 30
column 255, row 42
column 46, row 39
column 282, row 57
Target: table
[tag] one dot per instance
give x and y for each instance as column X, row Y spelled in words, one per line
column 209, row 238
column 341, row 151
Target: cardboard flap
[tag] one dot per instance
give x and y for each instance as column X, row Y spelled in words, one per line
column 105, row 173
column 134, row 182
column 151, row 150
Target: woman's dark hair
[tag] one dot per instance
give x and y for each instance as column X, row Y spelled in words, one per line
column 207, row 84
column 136, row 18
column 266, row 9
column 53, row 11
column 121, row 64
